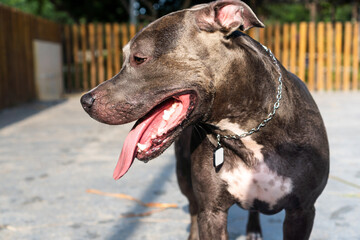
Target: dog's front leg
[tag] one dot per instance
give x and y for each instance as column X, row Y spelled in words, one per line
column 298, row 223
column 212, row 224
column 210, row 192
column 183, row 172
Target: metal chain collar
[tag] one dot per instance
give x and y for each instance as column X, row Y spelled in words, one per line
column 270, row 115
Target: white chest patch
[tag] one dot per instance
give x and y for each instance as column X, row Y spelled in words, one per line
column 259, row 183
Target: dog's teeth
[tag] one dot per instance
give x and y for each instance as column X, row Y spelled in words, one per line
column 160, row 132
column 173, row 107
column 166, row 115
column 141, row 147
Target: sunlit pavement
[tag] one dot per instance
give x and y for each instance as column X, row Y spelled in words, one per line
column 52, row 153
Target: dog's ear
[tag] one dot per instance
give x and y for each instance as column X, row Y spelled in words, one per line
column 227, row 16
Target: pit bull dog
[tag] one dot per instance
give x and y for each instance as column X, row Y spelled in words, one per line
column 246, row 130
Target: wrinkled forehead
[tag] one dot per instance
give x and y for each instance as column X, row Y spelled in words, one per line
column 159, row 36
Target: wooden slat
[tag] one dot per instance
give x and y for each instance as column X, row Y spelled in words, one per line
column 8, row 42
column 20, row 62
column 109, row 62
column 262, row 35
column 12, row 60
column 285, row 53
column 3, row 65
column 91, row 28
column 347, row 50
column 311, row 79
column 329, row 56
column 22, row 83
column 252, row 33
column 269, row 37
column 100, row 44
column 25, row 38
column 338, row 55
column 25, row 90
column 320, row 57
column 124, row 37
column 293, row 44
column 75, row 35
column 29, row 57
column 116, row 48
column 68, row 56
column 132, row 30
column 277, row 41
column 355, row 53
column 29, row 53
column 302, row 49
column 84, row 47
column 124, row 34
column 14, row 56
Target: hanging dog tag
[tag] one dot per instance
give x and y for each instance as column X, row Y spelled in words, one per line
column 218, row 156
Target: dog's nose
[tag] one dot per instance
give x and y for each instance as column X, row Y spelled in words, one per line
column 87, row 101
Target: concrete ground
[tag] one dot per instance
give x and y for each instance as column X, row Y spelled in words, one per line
column 52, row 153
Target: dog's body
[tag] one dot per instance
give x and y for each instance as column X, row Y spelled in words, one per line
column 212, row 81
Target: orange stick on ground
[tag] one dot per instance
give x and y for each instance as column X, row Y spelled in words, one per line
column 124, row 196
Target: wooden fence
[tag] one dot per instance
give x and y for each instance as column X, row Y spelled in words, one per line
column 17, row 32
column 324, row 55
column 94, row 53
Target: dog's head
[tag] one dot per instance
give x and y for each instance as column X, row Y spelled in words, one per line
column 167, row 79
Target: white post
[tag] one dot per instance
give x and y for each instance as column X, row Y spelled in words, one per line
column 133, row 18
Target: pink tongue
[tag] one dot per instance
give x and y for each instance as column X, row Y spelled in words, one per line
column 128, row 151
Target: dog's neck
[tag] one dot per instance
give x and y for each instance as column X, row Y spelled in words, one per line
column 249, row 91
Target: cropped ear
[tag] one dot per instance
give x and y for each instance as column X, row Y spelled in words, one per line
column 227, row 16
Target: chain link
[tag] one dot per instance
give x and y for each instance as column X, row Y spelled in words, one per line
column 270, row 115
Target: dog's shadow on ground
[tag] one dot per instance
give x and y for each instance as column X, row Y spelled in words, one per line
column 127, row 229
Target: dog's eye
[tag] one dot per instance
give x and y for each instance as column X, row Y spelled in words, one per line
column 139, row 60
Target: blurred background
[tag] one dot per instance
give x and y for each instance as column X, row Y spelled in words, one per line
column 56, row 162
column 318, row 40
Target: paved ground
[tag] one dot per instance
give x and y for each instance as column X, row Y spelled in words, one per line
column 51, row 153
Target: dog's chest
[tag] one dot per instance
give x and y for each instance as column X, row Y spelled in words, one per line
column 260, row 183
column 257, row 183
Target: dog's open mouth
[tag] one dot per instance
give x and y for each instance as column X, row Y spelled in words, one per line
column 152, row 133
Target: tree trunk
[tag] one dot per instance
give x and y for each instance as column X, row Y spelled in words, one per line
column 133, row 18
column 186, row 4
column 313, row 11
column 333, row 13
column 355, row 11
